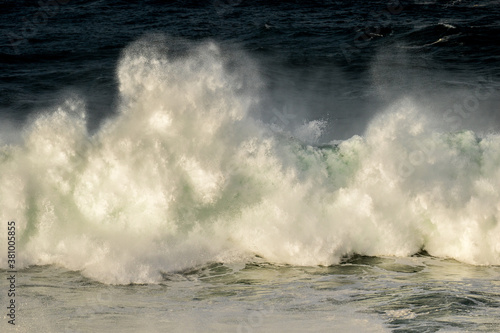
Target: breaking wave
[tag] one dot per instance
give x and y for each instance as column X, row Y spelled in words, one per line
column 183, row 174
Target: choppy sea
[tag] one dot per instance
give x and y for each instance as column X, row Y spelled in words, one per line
column 250, row 166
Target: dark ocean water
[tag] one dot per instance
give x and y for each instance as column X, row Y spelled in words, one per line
column 317, row 56
column 251, row 166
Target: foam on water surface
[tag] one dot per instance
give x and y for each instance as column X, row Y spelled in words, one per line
column 183, row 175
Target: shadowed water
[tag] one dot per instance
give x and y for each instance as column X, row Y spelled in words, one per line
column 414, row 294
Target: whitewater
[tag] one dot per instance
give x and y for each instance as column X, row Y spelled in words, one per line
column 183, row 174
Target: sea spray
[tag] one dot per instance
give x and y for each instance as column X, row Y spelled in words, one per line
column 183, row 174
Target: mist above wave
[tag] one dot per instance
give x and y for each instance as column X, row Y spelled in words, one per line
column 184, row 174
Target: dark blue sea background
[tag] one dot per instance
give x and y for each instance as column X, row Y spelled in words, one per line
column 321, row 59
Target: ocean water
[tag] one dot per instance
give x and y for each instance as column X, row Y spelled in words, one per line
column 237, row 166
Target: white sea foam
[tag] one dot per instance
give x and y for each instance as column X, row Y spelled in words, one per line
column 183, row 175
